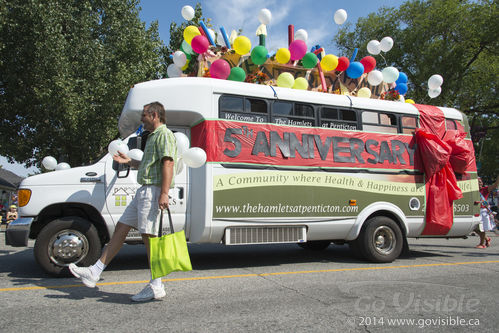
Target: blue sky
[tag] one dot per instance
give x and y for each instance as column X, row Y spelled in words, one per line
column 316, row 17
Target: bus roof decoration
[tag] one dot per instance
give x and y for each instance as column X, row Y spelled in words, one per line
column 216, row 55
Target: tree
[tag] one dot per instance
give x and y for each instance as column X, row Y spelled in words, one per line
column 454, row 38
column 65, row 70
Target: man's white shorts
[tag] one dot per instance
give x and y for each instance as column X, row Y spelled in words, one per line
column 143, row 211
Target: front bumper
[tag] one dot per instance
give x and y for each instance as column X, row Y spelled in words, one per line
column 18, row 231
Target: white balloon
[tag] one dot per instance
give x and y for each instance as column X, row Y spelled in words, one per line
column 113, row 146
column 340, row 16
column 374, row 77
column 435, row 81
column 386, row 44
column 63, row 166
column 434, row 92
column 117, row 145
column 179, row 59
column 301, row 34
column 212, row 34
column 187, row 13
column 182, row 143
column 136, row 154
column 390, row 74
column 173, row 71
column 373, row 47
column 265, row 16
column 194, row 157
column 179, row 166
column 49, row 162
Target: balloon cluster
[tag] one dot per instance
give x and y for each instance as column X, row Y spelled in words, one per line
column 50, row 163
column 434, row 85
column 194, row 157
column 197, row 40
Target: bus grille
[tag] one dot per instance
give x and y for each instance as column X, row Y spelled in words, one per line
column 265, row 235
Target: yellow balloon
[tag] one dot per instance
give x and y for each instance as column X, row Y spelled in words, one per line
column 242, row 45
column 329, row 62
column 283, row 55
column 285, row 80
column 300, row 83
column 190, row 32
column 410, row 101
column 364, row 92
column 186, row 65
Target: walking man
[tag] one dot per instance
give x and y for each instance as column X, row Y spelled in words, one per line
column 155, row 174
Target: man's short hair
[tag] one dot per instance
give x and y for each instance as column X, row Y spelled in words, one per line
column 158, row 108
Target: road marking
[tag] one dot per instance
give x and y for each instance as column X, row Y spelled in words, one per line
column 255, row 275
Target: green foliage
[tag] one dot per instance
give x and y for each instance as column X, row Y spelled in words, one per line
column 454, row 38
column 65, row 70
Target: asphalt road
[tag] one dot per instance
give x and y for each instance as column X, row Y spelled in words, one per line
column 443, row 285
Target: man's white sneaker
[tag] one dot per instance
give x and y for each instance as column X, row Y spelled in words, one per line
column 149, row 292
column 84, row 274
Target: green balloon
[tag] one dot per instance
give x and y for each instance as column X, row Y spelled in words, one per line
column 309, row 60
column 186, row 48
column 237, row 74
column 259, row 55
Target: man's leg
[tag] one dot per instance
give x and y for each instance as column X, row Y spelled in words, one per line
column 154, row 289
column 115, row 244
column 90, row 275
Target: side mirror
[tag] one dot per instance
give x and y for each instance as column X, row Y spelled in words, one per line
column 122, row 170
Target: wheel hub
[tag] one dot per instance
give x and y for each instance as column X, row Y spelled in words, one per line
column 384, row 240
column 67, row 246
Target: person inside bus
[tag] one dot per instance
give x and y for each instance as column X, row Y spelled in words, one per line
column 487, row 219
column 155, row 174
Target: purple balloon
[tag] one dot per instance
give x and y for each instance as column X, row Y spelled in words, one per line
column 297, row 49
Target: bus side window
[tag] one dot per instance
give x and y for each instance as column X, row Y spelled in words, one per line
column 255, row 105
column 282, row 108
column 338, row 118
column 231, row 104
column 409, row 124
column 379, row 122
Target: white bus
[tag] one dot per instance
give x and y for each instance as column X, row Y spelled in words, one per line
column 283, row 166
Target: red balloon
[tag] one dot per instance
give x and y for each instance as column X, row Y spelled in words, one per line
column 200, row 44
column 343, row 64
column 369, row 63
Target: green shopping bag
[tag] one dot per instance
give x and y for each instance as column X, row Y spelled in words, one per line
column 168, row 253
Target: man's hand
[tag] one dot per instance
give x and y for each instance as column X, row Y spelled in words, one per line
column 163, row 201
column 121, row 158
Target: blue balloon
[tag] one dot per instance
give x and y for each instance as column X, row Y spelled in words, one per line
column 402, row 78
column 355, row 70
column 402, row 88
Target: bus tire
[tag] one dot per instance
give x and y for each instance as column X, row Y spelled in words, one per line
column 315, row 245
column 64, row 241
column 380, row 240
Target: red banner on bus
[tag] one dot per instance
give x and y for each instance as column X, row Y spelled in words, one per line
column 269, row 144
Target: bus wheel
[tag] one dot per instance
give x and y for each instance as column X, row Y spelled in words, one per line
column 380, row 240
column 64, row 241
column 315, row 245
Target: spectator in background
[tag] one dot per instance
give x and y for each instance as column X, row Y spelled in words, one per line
column 487, row 223
column 11, row 214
